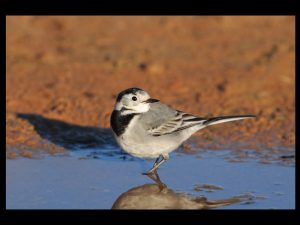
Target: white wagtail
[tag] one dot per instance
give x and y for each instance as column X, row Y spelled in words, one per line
column 146, row 128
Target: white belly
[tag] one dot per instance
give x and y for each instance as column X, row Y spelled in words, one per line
column 137, row 141
column 150, row 148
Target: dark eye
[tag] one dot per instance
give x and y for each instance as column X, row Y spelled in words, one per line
column 134, row 98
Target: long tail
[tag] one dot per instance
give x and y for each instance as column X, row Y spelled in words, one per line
column 224, row 119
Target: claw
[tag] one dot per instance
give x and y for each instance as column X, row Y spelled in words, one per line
column 157, row 164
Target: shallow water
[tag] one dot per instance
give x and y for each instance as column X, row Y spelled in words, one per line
column 86, row 179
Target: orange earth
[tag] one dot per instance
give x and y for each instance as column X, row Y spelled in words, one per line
column 64, row 72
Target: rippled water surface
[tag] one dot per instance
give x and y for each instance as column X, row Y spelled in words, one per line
column 105, row 178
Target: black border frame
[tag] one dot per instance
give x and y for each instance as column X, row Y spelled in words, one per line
column 106, row 7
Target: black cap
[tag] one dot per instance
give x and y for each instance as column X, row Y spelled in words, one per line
column 128, row 91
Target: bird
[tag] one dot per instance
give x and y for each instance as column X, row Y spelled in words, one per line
column 159, row 196
column 146, row 128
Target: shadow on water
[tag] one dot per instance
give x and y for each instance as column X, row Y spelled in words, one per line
column 158, row 196
column 74, row 137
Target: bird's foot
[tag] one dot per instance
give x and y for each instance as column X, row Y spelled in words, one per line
column 150, row 172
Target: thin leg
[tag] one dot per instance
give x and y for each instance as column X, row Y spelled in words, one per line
column 155, row 177
column 156, row 161
column 157, row 164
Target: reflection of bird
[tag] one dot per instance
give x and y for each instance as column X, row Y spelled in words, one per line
column 159, row 196
column 146, row 128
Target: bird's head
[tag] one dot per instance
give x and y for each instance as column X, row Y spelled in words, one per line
column 133, row 100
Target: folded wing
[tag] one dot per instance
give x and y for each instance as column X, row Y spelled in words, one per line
column 162, row 120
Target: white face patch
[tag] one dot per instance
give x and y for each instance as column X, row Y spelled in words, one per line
column 118, row 106
column 141, row 108
column 133, row 103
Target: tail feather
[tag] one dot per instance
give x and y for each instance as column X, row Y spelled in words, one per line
column 224, row 119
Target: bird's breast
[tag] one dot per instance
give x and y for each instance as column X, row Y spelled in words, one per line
column 119, row 122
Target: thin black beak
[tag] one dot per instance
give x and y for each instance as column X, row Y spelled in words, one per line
column 151, row 100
